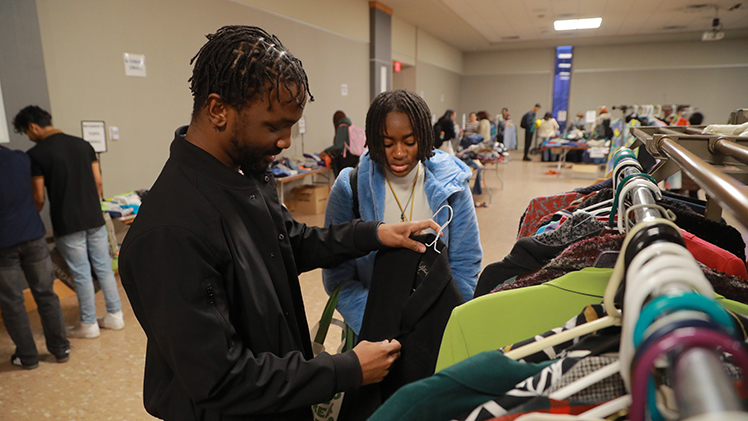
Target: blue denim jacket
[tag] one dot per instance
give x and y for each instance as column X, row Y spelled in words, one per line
column 446, row 183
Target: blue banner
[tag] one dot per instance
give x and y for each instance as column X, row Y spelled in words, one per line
column 561, row 82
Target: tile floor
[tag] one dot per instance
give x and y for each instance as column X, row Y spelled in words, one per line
column 103, row 379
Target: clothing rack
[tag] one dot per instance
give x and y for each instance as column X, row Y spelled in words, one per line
column 702, row 156
column 700, row 385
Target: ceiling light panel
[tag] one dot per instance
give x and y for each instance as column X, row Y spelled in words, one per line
column 573, row 24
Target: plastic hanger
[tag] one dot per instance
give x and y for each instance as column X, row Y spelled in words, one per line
column 656, row 270
column 439, row 233
column 613, row 318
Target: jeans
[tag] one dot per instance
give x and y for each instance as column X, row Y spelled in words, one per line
column 32, row 260
column 82, row 250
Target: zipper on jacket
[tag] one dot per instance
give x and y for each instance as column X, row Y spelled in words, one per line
column 221, row 319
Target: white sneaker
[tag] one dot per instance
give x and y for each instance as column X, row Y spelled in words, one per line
column 84, row 330
column 114, row 321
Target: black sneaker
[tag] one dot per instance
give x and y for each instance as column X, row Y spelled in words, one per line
column 26, row 365
column 64, row 357
column 526, row 158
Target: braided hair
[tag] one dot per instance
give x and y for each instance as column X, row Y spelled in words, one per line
column 418, row 114
column 238, row 62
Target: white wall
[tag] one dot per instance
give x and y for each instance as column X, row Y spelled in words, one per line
column 83, row 43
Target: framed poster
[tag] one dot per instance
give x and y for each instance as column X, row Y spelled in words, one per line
column 94, row 132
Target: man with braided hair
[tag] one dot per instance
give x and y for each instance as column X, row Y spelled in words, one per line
column 211, row 263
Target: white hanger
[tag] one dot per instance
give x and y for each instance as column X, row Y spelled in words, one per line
column 628, row 187
column 652, row 270
column 613, row 318
column 441, row 228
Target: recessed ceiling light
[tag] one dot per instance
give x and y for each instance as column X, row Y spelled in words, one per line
column 572, row 24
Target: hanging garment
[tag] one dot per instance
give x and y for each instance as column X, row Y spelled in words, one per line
column 411, row 298
column 547, row 405
column 523, row 392
column 579, row 255
column 531, row 253
column 718, row 233
column 510, row 136
column 595, row 346
column 457, row 389
column 541, row 206
column 503, row 318
column 584, row 254
column 496, row 320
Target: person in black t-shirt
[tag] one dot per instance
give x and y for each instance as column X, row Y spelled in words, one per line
column 528, row 123
column 24, row 254
column 67, row 166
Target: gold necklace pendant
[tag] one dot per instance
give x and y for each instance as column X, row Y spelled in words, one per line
column 413, row 190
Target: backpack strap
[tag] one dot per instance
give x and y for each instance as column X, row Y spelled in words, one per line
column 353, row 177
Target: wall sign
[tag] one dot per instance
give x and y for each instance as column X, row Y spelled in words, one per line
column 94, row 132
column 134, row 65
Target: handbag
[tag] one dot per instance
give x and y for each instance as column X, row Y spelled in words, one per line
column 329, row 411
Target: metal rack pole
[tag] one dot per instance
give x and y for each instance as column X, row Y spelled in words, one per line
column 700, row 383
column 716, row 393
column 724, row 189
column 732, row 149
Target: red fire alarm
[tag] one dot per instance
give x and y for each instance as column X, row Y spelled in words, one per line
column 397, row 66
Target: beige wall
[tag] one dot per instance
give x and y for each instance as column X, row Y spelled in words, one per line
column 342, row 17
column 404, row 41
column 517, row 92
column 710, row 76
column 83, row 43
column 436, row 66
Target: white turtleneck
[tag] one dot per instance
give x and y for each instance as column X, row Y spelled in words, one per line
column 403, row 186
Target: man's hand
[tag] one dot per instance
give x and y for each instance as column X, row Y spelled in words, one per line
column 398, row 235
column 376, row 358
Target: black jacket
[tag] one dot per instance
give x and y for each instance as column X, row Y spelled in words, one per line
column 527, row 120
column 211, row 267
column 411, row 298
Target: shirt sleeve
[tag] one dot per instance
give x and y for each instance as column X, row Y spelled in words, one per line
column 465, row 251
column 36, row 168
column 354, row 294
column 91, row 153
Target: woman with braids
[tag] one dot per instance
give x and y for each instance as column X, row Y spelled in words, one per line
column 402, row 178
column 211, row 264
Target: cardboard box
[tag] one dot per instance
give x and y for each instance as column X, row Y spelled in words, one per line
column 311, row 199
column 589, row 171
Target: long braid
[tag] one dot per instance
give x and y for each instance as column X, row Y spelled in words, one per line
column 418, row 114
column 238, row 62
